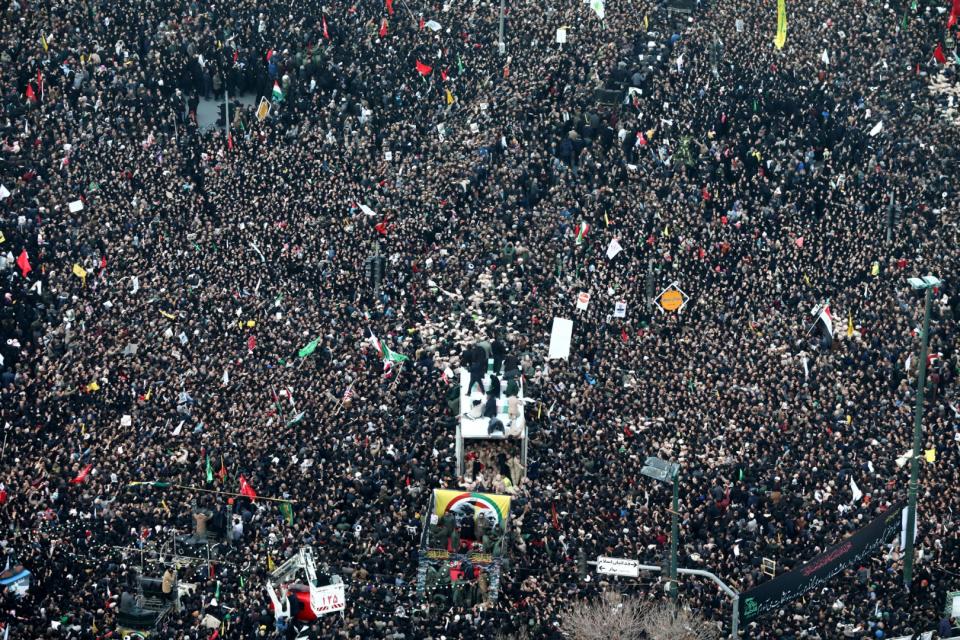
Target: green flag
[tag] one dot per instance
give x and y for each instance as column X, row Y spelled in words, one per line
column 141, row 483
column 392, row 356
column 286, row 510
column 209, row 470
column 217, row 594
column 310, row 348
column 295, row 419
column 740, row 476
column 459, row 64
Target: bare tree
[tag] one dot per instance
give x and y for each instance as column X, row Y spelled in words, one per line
column 663, row 621
column 613, row 617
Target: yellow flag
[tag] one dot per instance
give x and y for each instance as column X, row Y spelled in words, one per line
column 781, row 38
column 169, row 316
column 163, row 503
column 251, row 323
column 81, row 273
column 93, row 386
column 930, row 455
column 149, row 393
column 2, row 238
column 43, row 41
column 849, row 324
column 646, row 23
column 606, row 219
column 270, row 564
column 449, row 97
column 875, row 269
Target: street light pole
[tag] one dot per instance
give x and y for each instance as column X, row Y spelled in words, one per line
column 501, row 44
column 674, row 535
column 927, row 284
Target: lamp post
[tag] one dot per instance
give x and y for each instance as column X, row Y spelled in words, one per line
column 926, row 284
column 665, row 471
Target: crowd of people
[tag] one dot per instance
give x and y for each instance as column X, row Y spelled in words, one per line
column 160, row 281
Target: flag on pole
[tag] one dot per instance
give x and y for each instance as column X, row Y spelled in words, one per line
column 31, row 96
column 348, row 393
column 222, row 474
column 146, row 483
column 423, row 69
column 277, row 92
column 246, row 489
column 781, row 38
column 383, row 28
column 553, row 510
column 857, row 494
column 23, row 261
column 43, row 42
column 954, row 14
column 849, row 324
column 823, row 315
column 938, row 54
column 326, row 32
column 209, row 470
column 309, row 348
column 388, row 356
column 286, row 510
column 597, row 6
column 82, row 475
column 581, row 230
column 390, row 7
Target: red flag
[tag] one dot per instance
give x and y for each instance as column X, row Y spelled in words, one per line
column 556, row 521
column 326, row 33
column 251, row 343
column 246, row 489
column 3, row 493
column 31, row 96
column 40, row 81
column 82, row 475
column 24, row 263
column 222, row 474
column 383, row 28
column 269, row 55
column 424, row 69
column 390, row 7
column 236, row 54
column 954, row 14
column 422, row 22
column 624, row 336
column 938, row 54
column 103, row 262
column 443, row 74
column 381, row 227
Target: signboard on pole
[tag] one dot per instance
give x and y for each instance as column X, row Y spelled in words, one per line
column 263, row 109
column 583, row 300
column 561, row 35
column 620, row 309
column 672, row 299
column 618, row 567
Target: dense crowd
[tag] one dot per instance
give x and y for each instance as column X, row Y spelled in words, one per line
column 158, row 326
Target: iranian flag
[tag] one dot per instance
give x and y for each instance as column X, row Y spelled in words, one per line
column 277, row 92
column 581, row 230
column 246, row 489
column 389, row 357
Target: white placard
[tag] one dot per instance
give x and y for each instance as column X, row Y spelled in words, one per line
column 76, row 206
column 126, row 421
column 613, row 249
column 433, row 25
column 583, row 300
column 560, row 338
column 620, row 309
column 367, row 210
column 618, row 567
column 561, row 35
column 388, row 156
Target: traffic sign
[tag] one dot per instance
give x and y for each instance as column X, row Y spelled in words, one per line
column 671, row 299
column 618, row 567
